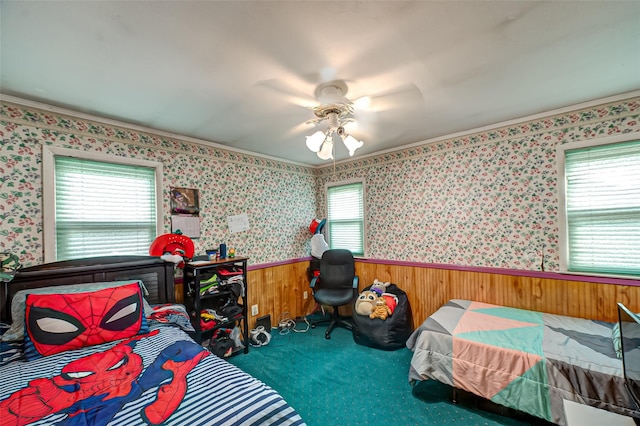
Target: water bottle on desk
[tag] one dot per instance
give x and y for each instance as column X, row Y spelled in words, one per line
column 223, row 251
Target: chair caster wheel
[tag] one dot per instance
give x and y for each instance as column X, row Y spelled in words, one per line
column 327, row 336
column 313, row 326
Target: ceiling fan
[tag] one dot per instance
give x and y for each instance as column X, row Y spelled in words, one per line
column 337, row 111
column 352, row 120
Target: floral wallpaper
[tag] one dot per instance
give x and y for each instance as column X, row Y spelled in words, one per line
column 487, row 199
column 278, row 197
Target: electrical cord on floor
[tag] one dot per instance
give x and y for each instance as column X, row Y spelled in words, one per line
column 287, row 324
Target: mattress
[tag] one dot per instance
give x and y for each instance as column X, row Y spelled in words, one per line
column 526, row 360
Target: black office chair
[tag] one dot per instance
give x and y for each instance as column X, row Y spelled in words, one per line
column 335, row 286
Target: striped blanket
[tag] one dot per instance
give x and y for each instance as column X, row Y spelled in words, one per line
column 163, row 377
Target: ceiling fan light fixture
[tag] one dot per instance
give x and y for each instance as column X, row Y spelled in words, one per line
column 326, row 153
column 352, row 144
column 314, row 142
column 337, row 112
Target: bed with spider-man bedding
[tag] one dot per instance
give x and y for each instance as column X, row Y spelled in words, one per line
column 106, row 357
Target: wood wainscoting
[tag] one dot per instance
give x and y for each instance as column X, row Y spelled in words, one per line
column 279, row 291
column 429, row 288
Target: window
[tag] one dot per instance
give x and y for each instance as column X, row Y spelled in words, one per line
column 600, row 206
column 345, row 218
column 98, row 205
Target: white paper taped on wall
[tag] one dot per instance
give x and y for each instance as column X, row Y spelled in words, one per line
column 188, row 225
column 238, row 223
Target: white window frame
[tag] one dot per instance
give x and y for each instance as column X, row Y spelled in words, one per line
column 563, row 235
column 364, row 210
column 49, row 189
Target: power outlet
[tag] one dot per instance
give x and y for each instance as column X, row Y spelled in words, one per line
column 254, row 310
column 305, row 295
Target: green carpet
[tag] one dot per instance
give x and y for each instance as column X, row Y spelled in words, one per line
column 338, row 382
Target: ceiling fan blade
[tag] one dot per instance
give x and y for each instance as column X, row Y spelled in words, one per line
column 323, row 75
column 384, row 108
column 287, row 91
column 407, row 96
column 304, row 128
column 364, row 121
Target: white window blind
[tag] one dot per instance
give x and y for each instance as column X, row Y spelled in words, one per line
column 603, row 208
column 103, row 208
column 345, row 217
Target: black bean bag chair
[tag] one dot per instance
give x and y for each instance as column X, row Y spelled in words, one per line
column 390, row 334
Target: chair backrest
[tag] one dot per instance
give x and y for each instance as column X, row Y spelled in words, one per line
column 337, row 269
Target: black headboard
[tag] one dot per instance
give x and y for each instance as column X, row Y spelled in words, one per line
column 155, row 273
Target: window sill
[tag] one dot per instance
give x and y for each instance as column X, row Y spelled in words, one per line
column 596, row 275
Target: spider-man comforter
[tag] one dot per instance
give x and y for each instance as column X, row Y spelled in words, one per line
column 162, row 377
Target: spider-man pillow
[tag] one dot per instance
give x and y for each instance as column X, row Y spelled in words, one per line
column 18, row 303
column 59, row 322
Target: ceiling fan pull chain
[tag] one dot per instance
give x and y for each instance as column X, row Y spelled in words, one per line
column 334, row 162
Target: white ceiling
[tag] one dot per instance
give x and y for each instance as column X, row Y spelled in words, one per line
column 240, row 73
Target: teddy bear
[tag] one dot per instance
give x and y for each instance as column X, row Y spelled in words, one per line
column 381, row 309
column 379, row 287
column 365, row 302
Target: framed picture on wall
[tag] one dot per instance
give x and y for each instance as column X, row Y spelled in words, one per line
column 184, row 201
